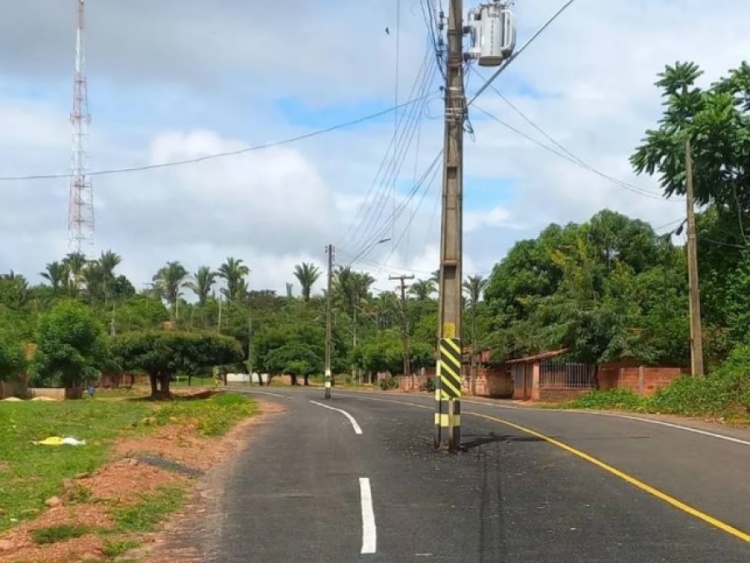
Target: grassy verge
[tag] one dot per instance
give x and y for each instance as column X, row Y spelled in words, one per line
column 720, row 396
column 31, row 474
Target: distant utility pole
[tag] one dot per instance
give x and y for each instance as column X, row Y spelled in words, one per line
column 492, row 32
column 696, row 330
column 329, row 286
column 407, row 352
column 250, row 348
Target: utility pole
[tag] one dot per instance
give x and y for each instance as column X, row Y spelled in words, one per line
column 696, row 330
column 250, row 348
column 407, row 352
column 448, row 388
column 329, row 286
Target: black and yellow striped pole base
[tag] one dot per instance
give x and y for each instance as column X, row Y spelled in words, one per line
column 328, row 384
column 448, row 395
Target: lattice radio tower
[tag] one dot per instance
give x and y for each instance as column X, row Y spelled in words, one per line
column 81, row 198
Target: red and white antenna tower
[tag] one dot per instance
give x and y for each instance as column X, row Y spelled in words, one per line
column 81, row 198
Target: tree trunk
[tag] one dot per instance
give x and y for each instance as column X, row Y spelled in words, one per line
column 294, row 379
column 154, row 388
column 307, row 380
column 164, row 381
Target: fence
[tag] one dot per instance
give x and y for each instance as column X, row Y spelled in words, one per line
column 556, row 375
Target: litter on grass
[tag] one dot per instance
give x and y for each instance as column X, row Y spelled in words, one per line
column 58, row 441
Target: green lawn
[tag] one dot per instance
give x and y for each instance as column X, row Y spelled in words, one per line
column 30, row 474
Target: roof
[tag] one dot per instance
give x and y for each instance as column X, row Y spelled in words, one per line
column 537, row 357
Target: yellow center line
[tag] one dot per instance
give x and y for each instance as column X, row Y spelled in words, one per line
column 653, row 491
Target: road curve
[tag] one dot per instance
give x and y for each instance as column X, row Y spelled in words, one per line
column 297, row 494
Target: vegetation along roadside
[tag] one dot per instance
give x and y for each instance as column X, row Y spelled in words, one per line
column 99, row 500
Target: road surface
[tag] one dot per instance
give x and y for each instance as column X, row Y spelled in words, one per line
column 356, row 478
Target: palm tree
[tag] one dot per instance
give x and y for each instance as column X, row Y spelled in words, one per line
column 307, row 274
column 473, row 286
column 56, row 273
column 20, row 287
column 422, row 290
column 386, row 304
column 203, row 281
column 75, row 262
column 93, row 276
column 108, row 261
column 233, row 271
column 169, row 280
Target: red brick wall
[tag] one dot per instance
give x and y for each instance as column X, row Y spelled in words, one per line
column 645, row 380
column 491, row 382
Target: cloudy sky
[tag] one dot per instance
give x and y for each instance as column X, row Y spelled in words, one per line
column 177, row 79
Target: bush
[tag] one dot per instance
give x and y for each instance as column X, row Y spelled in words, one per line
column 389, row 383
column 613, row 399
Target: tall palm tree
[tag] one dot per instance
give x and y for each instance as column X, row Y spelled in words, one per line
column 93, row 276
column 202, row 282
column 422, row 290
column 386, row 304
column 75, row 262
column 170, row 280
column 233, row 272
column 108, row 261
column 56, row 273
column 307, row 274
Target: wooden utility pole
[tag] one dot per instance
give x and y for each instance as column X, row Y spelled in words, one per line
column 329, row 319
column 250, row 348
column 448, row 388
column 696, row 330
column 405, row 325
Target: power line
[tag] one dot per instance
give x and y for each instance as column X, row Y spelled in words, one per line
column 401, row 145
column 515, row 55
column 582, row 164
column 214, row 156
column 366, row 244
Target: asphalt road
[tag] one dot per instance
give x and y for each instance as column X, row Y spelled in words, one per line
column 531, row 485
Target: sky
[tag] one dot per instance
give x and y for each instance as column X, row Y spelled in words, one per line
column 181, row 79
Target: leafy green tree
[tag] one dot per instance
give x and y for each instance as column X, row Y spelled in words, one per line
column 12, row 357
column 71, row 347
column 163, row 353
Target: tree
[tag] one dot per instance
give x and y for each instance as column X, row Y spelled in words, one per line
column 307, row 274
column 12, row 357
column 75, row 262
column 163, row 353
column 57, row 274
column 422, row 290
column 234, row 272
column 203, row 281
column 717, row 121
column 108, row 262
column 71, row 347
column 169, row 281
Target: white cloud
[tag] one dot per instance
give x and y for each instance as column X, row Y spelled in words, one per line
column 207, row 80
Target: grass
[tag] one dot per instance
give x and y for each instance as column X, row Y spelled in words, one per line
column 145, row 515
column 54, row 534
column 30, row 474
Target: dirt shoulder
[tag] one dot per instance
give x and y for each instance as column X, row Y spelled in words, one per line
column 133, row 507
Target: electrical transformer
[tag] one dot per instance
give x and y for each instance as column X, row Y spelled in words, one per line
column 493, row 34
